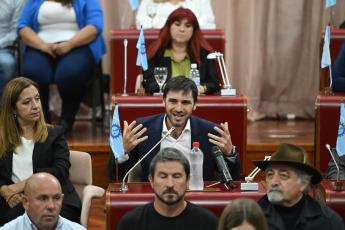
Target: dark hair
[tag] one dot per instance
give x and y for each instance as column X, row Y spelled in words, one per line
column 181, row 83
column 169, row 154
column 242, row 209
column 68, row 3
column 196, row 42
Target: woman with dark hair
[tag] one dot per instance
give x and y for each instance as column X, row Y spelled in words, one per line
column 63, row 42
column 28, row 146
column 242, row 213
column 180, row 44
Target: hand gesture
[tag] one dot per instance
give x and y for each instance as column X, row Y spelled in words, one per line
column 224, row 141
column 132, row 136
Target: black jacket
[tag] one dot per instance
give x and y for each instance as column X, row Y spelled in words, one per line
column 52, row 157
column 314, row 215
column 208, row 72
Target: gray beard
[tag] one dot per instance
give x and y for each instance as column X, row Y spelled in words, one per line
column 275, row 195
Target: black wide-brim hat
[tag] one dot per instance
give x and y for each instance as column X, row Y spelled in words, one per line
column 292, row 155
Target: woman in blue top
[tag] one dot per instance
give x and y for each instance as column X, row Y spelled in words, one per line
column 63, row 41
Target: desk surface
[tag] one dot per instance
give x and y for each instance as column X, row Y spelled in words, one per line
column 138, row 194
column 215, row 108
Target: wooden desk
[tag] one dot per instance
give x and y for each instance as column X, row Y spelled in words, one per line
column 216, row 38
column 327, row 123
column 138, row 194
column 334, row 199
column 215, row 108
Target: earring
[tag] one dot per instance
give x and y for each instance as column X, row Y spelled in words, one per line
column 15, row 115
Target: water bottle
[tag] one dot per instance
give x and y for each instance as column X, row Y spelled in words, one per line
column 194, row 74
column 196, row 159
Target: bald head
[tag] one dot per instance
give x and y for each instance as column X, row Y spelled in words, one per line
column 41, row 178
column 42, row 200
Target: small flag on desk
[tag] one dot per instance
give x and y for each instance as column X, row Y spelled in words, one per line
column 330, row 3
column 142, row 58
column 134, row 4
column 341, row 132
column 116, row 142
column 326, row 56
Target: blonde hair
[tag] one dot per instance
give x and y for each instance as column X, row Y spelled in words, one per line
column 10, row 129
column 241, row 210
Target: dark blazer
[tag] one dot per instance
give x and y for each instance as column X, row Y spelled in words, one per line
column 338, row 71
column 52, row 157
column 154, row 124
column 208, row 72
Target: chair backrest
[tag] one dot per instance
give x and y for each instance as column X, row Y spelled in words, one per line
column 80, row 172
column 337, row 38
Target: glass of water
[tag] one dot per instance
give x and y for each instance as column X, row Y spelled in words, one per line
column 152, row 11
column 161, row 74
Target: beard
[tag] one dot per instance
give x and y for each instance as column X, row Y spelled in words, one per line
column 170, row 200
column 275, row 195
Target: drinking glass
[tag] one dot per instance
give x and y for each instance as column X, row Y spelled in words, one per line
column 152, row 11
column 161, row 74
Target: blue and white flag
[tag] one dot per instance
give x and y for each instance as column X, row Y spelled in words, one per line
column 134, row 4
column 142, row 58
column 341, row 132
column 330, row 3
column 116, row 142
column 326, row 56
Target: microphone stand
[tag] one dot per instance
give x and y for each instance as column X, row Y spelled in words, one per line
column 125, row 43
column 338, row 185
column 125, row 187
column 249, row 186
column 231, row 184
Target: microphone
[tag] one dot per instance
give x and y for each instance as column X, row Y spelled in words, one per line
column 335, row 162
column 222, row 166
column 125, row 187
column 125, row 43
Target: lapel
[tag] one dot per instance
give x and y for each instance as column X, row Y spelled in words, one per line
column 154, row 134
column 35, row 155
column 195, row 130
column 8, row 162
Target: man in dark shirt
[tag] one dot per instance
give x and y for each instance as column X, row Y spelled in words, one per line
column 287, row 204
column 169, row 178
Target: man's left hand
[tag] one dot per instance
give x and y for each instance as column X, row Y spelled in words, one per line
column 224, row 141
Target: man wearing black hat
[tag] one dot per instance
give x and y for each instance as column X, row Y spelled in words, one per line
column 287, row 204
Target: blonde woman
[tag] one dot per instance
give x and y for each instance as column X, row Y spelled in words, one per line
column 28, row 146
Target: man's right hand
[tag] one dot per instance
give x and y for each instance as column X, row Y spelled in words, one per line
column 132, row 136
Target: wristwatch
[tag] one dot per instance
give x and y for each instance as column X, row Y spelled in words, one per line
column 233, row 152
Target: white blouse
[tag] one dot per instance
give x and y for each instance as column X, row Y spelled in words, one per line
column 57, row 23
column 22, row 161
